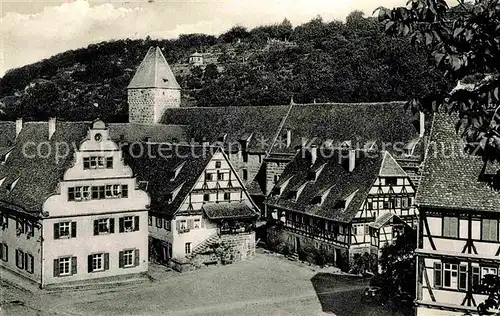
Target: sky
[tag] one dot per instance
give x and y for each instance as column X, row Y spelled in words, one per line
column 31, row 30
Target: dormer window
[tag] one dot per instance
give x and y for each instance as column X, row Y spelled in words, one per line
column 313, row 175
column 3, row 158
column 340, row 204
column 13, row 184
column 175, row 173
column 1, row 181
column 292, row 195
column 170, row 198
column 317, row 200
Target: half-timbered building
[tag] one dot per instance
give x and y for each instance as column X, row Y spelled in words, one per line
column 458, row 242
column 344, row 201
column 198, row 201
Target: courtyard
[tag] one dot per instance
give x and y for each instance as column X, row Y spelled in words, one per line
column 266, row 285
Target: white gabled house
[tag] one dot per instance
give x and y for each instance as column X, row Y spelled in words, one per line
column 198, row 201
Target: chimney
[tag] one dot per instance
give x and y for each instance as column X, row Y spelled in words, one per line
column 422, row 124
column 19, row 126
column 52, row 126
column 122, row 139
column 288, row 138
column 352, row 159
column 147, row 139
column 314, row 154
column 291, row 101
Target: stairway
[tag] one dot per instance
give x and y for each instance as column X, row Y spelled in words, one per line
column 294, row 257
column 205, row 245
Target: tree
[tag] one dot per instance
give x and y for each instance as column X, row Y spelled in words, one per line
column 398, row 265
column 464, row 43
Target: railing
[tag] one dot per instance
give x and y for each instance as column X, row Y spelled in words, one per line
column 313, row 231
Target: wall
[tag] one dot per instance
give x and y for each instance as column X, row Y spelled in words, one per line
column 252, row 165
column 273, row 168
column 59, row 208
column 146, row 106
column 28, row 244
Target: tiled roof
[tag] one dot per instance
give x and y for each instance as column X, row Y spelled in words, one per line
column 390, row 167
column 335, row 182
column 360, row 123
column 154, row 72
column 39, row 175
column 382, row 220
column 228, row 210
column 450, row 177
column 236, row 122
column 158, row 168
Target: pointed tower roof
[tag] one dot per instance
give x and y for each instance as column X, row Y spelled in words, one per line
column 390, row 167
column 154, row 72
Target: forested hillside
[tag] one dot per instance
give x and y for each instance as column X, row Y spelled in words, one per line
column 328, row 62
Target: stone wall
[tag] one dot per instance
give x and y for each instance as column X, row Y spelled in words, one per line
column 232, row 248
column 274, row 170
column 252, row 165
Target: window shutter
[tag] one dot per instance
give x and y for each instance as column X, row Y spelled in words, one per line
column 120, row 259
column 32, row 264
column 158, row 222
column 437, row 274
column 136, row 257
column 56, row 230
column 120, row 223
column 96, row 227
column 17, row 258
column 6, row 253
column 190, row 223
column 73, row 229
column 1, row 251
column 177, row 225
column 26, row 259
column 56, row 267
column 106, row 261
column 89, row 263
column 73, row 265
column 111, row 225
column 136, row 223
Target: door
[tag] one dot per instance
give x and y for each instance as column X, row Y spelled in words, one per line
column 297, row 244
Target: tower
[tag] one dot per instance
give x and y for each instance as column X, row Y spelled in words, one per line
column 153, row 89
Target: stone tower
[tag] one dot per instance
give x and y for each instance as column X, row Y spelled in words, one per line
column 153, row 89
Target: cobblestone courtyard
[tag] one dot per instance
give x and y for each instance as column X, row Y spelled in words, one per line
column 266, row 285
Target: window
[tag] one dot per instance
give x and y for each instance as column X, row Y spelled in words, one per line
column 405, row 202
column 128, row 258
column 276, row 178
column 86, row 162
column 391, row 181
column 245, row 174
column 476, row 277
column 450, row 275
column 218, row 164
column 398, row 202
column 183, row 224
column 64, row 266
column 64, row 230
column 208, row 177
column 187, row 248
column 109, row 163
column 104, row 226
column 129, row 224
column 4, row 221
column 20, row 226
column 489, row 229
column 19, row 259
column 167, row 224
column 450, row 226
column 97, row 262
column 98, row 192
column 220, row 176
column 206, row 197
column 124, row 191
column 150, row 220
column 197, row 223
column 4, row 252
column 227, row 196
column 438, row 274
column 488, row 270
column 462, row 283
column 159, row 222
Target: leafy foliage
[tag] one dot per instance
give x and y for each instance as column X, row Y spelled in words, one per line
column 316, row 61
column 398, row 265
column 464, row 43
